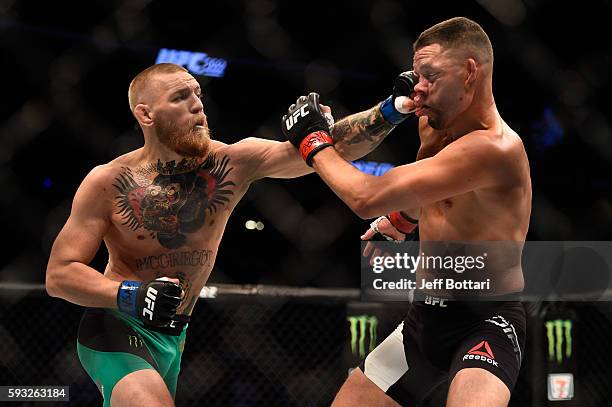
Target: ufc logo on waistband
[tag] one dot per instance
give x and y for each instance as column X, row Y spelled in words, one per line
column 435, row 301
column 150, row 301
column 293, row 119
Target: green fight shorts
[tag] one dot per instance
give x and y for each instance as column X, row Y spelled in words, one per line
column 111, row 344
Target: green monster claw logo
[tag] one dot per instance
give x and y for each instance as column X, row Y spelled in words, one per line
column 559, row 331
column 359, row 329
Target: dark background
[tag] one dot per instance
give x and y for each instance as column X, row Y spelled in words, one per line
column 66, row 68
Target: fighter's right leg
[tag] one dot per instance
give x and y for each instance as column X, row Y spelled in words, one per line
column 358, row 390
column 141, row 388
column 394, row 373
column 384, row 366
column 118, row 361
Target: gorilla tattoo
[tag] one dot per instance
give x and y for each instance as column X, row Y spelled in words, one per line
column 172, row 200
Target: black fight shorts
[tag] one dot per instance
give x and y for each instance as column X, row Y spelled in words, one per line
column 440, row 337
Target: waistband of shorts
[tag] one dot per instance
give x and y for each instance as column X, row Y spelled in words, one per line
column 177, row 326
column 425, row 299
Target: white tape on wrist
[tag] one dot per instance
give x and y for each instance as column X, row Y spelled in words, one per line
column 374, row 227
column 399, row 105
column 330, row 120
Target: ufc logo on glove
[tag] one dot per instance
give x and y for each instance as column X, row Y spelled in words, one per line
column 150, row 301
column 293, row 119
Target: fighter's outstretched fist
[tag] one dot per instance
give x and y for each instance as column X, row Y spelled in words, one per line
column 306, row 126
column 400, row 104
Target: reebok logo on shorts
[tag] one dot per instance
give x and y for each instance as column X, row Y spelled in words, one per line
column 483, row 352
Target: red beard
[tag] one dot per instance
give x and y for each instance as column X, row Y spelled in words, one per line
column 188, row 141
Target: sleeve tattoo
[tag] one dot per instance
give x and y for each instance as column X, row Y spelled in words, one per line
column 368, row 127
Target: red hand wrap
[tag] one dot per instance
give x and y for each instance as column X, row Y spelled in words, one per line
column 401, row 223
column 313, row 143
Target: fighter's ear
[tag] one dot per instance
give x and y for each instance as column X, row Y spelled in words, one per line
column 471, row 72
column 143, row 114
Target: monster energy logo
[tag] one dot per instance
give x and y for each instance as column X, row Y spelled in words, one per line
column 558, row 333
column 135, row 341
column 359, row 329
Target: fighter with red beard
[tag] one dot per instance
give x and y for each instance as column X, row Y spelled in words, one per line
column 161, row 211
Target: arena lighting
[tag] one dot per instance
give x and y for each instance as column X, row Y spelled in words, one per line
column 198, row 63
column 548, row 131
column 372, row 167
column 252, row 225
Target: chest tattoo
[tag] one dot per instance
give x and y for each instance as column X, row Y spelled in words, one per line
column 173, row 199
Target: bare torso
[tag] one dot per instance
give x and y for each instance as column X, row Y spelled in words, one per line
column 498, row 214
column 167, row 220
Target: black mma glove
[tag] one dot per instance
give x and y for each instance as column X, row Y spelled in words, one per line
column 403, row 86
column 154, row 302
column 306, row 127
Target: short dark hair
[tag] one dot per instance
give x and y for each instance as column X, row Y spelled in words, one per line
column 459, row 33
column 140, row 80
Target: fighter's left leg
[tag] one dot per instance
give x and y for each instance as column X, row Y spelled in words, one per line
column 486, row 364
column 475, row 387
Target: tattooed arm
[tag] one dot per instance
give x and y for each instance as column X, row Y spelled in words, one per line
column 354, row 137
column 360, row 133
